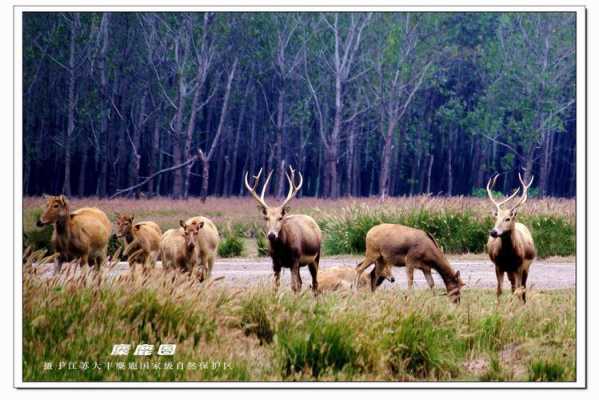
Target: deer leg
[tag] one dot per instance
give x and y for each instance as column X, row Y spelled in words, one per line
column 410, row 274
column 499, row 274
column 429, row 278
column 376, row 276
column 367, row 262
column 84, row 261
column 313, row 267
column 296, row 280
column 519, row 288
column 512, row 278
column 277, row 276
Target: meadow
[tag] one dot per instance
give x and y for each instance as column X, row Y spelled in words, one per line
column 460, row 224
column 256, row 334
column 225, row 333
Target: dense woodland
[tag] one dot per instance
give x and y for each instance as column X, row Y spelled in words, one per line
column 386, row 104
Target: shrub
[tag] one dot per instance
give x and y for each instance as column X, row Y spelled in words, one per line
column 545, row 371
column 255, row 318
column 262, row 244
column 231, row 245
column 418, row 347
column 38, row 238
column 319, row 345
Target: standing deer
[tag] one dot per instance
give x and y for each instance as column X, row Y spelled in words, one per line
column 293, row 239
column 82, row 233
column 389, row 245
column 510, row 245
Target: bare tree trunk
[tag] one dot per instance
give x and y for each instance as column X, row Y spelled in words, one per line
column 450, row 166
column 66, row 188
column 206, row 157
column 386, row 159
column 279, row 162
column 429, row 173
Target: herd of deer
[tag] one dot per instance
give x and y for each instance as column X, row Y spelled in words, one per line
column 294, row 242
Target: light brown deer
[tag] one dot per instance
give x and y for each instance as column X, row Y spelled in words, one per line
column 142, row 239
column 293, row 239
column 82, row 233
column 340, row 278
column 510, row 245
column 178, row 247
column 207, row 244
column 389, row 245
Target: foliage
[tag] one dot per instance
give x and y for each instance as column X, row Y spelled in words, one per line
column 231, row 245
column 456, row 232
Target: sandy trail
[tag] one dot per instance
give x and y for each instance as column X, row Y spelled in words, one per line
column 476, row 273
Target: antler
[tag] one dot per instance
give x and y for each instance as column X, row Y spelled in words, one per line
column 293, row 189
column 490, row 185
column 252, row 189
column 524, row 191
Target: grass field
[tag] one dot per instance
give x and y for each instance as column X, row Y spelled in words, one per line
column 224, row 334
column 460, row 224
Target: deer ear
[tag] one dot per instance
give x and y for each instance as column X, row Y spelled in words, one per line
column 62, row 199
column 262, row 209
column 201, row 225
column 457, row 275
column 285, row 210
column 137, row 227
column 132, row 217
column 181, row 223
column 514, row 212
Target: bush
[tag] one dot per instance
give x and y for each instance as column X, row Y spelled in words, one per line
column 545, row 371
column 262, row 244
column 38, row 238
column 420, row 348
column 231, row 245
column 319, row 345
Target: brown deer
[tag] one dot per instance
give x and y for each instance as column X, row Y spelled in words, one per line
column 389, row 245
column 207, row 244
column 142, row 240
column 510, row 245
column 82, row 233
column 178, row 247
column 293, row 239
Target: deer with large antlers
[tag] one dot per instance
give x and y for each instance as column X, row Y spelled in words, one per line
column 510, row 245
column 294, row 239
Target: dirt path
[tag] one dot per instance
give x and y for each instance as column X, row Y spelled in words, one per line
column 476, row 272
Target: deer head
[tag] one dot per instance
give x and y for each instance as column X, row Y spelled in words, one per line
column 274, row 215
column 57, row 207
column 505, row 218
column 191, row 232
column 123, row 223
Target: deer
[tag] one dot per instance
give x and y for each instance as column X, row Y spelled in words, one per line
column 510, row 246
column 142, row 239
column 389, row 245
column 178, row 247
column 81, row 234
column 293, row 239
column 337, row 278
column 207, row 244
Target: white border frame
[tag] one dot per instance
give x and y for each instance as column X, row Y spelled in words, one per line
column 581, row 209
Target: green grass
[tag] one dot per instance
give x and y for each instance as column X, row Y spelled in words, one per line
column 457, row 232
column 231, row 245
column 389, row 335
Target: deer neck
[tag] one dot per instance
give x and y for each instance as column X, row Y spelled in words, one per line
column 508, row 242
column 63, row 226
column 129, row 237
column 447, row 273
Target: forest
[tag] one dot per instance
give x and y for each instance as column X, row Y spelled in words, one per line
column 363, row 104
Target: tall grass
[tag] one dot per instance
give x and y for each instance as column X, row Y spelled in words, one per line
column 460, row 224
column 78, row 315
column 455, row 231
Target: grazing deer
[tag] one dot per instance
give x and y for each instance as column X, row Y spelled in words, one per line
column 389, row 245
column 207, row 244
column 83, row 233
column 293, row 239
column 178, row 247
column 142, row 240
column 510, row 245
